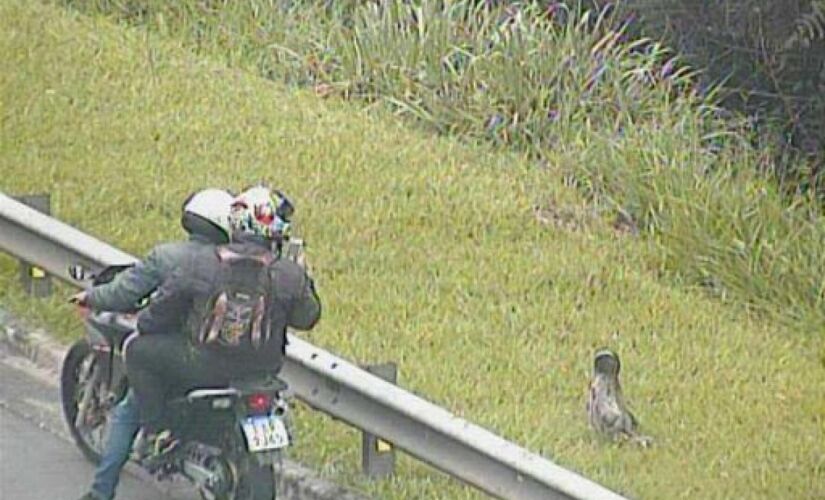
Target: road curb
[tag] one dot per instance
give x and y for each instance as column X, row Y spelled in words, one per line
column 297, row 482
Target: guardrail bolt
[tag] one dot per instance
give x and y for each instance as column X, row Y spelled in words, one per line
column 36, row 281
column 377, row 455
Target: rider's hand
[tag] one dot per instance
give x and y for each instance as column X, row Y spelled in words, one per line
column 80, row 300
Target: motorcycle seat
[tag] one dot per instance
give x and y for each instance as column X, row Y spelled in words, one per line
column 237, row 388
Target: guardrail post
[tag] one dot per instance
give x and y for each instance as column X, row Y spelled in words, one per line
column 377, row 455
column 35, row 280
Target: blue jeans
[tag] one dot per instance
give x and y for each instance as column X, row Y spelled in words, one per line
column 124, row 423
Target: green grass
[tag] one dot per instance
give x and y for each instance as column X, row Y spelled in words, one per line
column 622, row 117
column 427, row 251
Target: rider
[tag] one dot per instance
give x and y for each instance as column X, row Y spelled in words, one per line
column 205, row 217
column 165, row 356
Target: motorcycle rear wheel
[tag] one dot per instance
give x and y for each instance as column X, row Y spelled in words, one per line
column 256, row 482
column 246, row 481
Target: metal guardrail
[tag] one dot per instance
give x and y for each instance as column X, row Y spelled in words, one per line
column 336, row 386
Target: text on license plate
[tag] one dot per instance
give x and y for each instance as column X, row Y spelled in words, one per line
column 265, row 432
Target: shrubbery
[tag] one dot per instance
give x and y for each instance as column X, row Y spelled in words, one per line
column 620, row 116
column 769, row 55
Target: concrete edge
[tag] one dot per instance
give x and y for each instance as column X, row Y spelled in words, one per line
column 296, row 481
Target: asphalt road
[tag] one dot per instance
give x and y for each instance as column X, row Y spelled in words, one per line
column 38, row 461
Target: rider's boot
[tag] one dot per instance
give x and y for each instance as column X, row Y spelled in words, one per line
column 152, row 448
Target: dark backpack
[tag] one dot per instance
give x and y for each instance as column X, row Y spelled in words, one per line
column 237, row 313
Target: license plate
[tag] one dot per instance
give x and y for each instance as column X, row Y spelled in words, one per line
column 266, row 432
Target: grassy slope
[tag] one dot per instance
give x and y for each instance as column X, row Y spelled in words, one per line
column 426, row 252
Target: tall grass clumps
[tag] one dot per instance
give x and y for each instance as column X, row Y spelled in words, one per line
column 620, row 117
column 521, row 75
column 768, row 54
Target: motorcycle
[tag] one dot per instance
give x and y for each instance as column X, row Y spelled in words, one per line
column 228, row 452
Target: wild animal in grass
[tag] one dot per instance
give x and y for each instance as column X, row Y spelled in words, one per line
column 606, row 409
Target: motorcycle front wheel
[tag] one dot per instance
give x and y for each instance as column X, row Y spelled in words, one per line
column 82, row 399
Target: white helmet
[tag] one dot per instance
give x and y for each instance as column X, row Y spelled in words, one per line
column 211, row 205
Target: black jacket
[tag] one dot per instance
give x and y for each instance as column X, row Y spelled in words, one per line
column 124, row 292
column 182, row 301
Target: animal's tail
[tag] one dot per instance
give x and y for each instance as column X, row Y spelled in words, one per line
column 641, row 440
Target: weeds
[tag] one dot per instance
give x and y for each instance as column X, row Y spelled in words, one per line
column 623, row 117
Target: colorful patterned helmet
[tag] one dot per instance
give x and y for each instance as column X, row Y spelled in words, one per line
column 261, row 212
